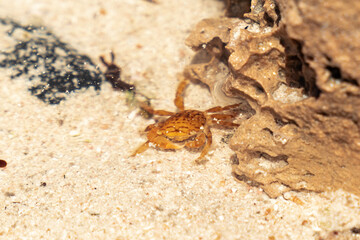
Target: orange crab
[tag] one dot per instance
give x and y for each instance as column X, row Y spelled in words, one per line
column 186, row 128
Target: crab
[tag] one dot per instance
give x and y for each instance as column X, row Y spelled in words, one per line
column 186, row 128
column 112, row 74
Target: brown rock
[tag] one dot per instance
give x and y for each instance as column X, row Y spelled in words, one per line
column 297, row 65
column 330, row 32
column 237, row 8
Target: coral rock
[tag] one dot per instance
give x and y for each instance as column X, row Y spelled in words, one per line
column 297, row 66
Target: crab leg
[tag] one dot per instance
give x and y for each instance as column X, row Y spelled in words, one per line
column 152, row 111
column 106, row 63
column 222, row 116
column 219, row 109
column 225, row 123
column 179, row 97
column 141, row 149
column 206, row 148
column 160, row 142
column 164, row 143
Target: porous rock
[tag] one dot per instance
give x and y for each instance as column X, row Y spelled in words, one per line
column 297, row 66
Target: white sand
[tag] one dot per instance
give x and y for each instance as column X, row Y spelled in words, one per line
column 93, row 189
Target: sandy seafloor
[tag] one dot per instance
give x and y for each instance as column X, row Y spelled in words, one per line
column 94, row 190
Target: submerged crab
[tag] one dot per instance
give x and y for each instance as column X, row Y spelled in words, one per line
column 186, row 128
column 112, row 74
